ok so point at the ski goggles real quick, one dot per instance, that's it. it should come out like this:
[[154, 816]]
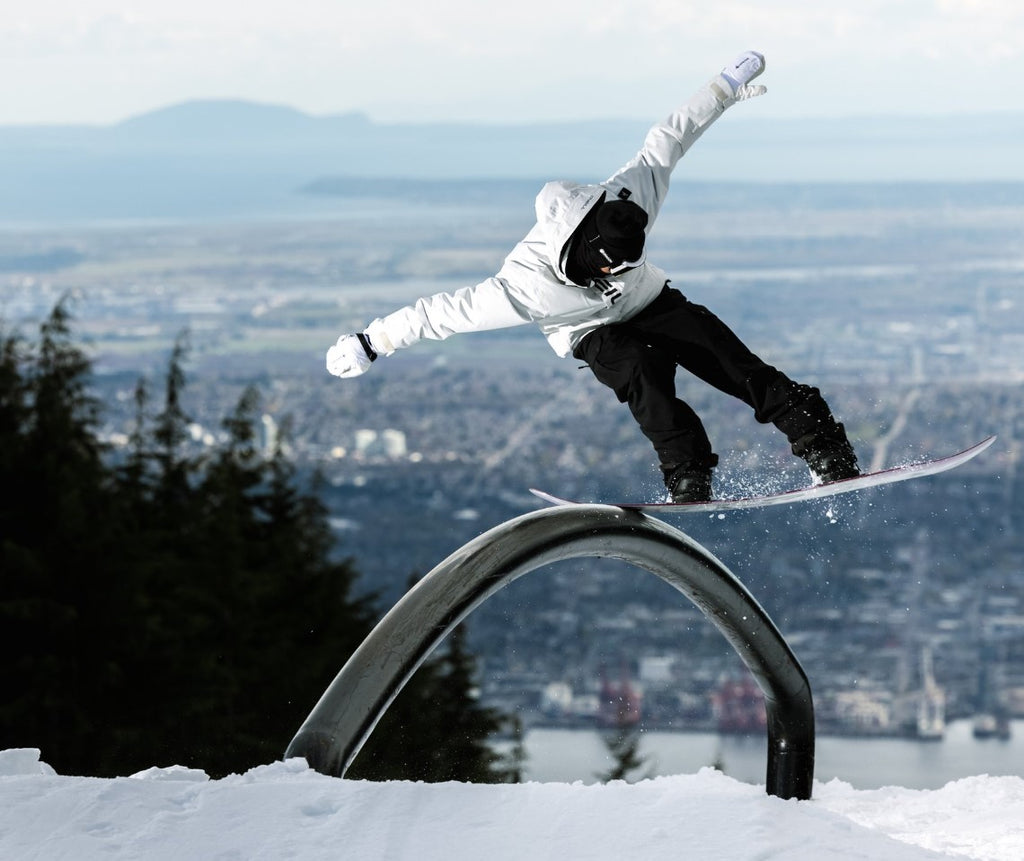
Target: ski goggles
[[626, 265]]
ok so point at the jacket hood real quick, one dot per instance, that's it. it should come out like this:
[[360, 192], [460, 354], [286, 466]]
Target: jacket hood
[[560, 207]]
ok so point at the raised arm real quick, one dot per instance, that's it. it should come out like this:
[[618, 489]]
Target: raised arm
[[647, 175]]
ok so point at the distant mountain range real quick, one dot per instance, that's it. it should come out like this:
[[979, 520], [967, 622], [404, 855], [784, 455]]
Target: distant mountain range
[[234, 158]]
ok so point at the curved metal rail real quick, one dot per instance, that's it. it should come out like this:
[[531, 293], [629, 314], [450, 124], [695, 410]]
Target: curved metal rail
[[346, 714]]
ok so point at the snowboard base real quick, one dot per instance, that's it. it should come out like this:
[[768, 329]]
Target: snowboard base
[[818, 491]]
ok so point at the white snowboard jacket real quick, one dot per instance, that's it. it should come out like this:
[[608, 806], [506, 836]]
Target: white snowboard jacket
[[531, 286]]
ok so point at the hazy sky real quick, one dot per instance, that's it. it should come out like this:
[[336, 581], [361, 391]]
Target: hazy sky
[[99, 61]]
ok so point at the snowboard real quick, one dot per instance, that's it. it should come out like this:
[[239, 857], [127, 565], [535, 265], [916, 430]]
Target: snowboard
[[817, 491]]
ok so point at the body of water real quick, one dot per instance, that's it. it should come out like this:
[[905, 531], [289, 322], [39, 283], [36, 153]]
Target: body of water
[[567, 756]]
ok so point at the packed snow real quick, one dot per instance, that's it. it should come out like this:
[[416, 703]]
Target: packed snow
[[287, 810]]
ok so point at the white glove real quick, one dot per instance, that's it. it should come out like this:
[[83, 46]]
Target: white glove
[[741, 71], [351, 356]]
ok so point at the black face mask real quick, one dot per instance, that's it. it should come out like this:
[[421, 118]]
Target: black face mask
[[584, 262], [590, 251]]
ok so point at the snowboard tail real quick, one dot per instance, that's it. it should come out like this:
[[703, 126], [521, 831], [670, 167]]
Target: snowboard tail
[[818, 491]]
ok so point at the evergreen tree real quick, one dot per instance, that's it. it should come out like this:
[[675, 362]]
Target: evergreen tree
[[467, 725], [263, 612], [307, 595], [20, 567], [514, 764], [623, 743], [60, 602], [436, 729], [14, 416], [168, 437]]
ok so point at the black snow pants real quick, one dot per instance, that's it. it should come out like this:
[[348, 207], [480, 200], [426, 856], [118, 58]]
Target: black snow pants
[[638, 359]]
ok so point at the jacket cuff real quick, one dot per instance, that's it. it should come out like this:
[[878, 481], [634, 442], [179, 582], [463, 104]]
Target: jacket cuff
[[381, 342], [723, 90]]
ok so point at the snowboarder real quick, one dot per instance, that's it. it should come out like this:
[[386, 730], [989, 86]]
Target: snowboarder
[[582, 276]]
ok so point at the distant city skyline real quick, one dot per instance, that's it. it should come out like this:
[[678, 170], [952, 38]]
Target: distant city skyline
[[100, 62]]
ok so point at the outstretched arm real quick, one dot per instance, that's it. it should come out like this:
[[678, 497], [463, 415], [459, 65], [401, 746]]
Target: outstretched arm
[[491, 304], [647, 175]]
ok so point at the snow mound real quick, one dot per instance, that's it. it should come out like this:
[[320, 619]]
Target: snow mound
[[287, 810]]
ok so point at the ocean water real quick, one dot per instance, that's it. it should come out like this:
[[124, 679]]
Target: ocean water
[[570, 755]]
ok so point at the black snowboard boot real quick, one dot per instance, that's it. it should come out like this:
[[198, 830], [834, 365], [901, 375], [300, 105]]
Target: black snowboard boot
[[688, 482], [828, 453]]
